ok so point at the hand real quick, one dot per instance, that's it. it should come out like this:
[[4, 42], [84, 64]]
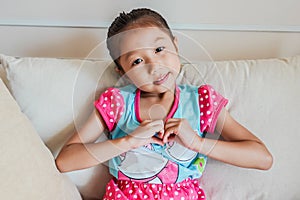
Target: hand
[[181, 131], [144, 134]]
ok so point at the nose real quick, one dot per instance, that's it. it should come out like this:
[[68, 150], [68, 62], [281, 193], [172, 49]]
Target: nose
[[153, 68], [153, 65]]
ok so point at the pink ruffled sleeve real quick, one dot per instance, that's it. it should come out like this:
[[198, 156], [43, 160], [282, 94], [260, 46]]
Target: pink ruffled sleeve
[[211, 104], [110, 105]]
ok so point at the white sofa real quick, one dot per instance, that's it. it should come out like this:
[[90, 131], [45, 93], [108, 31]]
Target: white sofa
[[42, 100]]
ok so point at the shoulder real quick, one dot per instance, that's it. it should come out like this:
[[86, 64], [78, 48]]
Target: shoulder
[[208, 94], [110, 97], [206, 89], [110, 105], [211, 103]]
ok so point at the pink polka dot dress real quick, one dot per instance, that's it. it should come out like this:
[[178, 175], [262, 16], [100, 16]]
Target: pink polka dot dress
[[187, 189], [154, 171]]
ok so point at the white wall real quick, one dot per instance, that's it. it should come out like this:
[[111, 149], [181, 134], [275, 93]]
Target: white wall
[[230, 29]]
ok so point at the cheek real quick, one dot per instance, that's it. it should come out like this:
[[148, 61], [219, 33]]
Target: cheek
[[173, 62], [137, 75]]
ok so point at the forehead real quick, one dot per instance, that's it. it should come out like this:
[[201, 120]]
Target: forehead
[[141, 38]]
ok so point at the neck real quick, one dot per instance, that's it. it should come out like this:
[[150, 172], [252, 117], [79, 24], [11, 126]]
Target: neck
[[159, 96], [155, 105]]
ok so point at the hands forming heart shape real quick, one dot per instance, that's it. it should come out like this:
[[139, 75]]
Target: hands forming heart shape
[[156, 131]]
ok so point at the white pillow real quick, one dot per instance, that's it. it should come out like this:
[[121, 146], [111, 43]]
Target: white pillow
[[28, 169]]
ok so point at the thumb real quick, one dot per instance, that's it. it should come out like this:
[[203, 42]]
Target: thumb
[[158, 125]]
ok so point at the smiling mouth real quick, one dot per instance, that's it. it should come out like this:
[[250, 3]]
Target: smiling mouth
[[162, 79]]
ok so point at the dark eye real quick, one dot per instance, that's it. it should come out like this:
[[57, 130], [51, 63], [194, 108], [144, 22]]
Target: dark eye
[[137, 61], [159, 49]]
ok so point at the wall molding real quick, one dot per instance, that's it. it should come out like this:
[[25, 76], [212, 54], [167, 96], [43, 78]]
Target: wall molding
[[175, 26]]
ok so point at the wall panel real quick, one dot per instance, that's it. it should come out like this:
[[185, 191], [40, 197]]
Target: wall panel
[[226, 29]]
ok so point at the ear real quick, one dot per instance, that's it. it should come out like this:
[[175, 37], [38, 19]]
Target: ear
[[175, 42], [119, 71]]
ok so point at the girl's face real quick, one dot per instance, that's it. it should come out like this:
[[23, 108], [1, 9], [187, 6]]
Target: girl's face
[[149, 57]]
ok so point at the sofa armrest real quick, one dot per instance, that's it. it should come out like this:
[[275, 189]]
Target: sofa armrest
[[27, 166]]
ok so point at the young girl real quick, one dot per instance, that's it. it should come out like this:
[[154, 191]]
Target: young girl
[[157, 147]]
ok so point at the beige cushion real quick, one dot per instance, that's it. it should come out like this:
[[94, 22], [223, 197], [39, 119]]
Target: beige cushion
[[27, 167]]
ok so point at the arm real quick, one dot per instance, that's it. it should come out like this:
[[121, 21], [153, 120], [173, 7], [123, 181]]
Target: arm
[[240, 148], [81, 151]]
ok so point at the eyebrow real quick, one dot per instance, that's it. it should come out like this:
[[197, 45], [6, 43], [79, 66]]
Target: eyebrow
[[127, 55], [159, 38]]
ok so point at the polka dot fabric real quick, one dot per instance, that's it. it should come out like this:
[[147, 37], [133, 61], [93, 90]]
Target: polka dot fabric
[[211, 104], [125, 190], [110, 105]]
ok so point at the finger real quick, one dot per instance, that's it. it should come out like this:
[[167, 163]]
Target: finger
[[157, 129], [170, 124], [170, 120], [152, 122], [173, 119], [172, 138], [157, 126], [147, 121], [157, 141], [157, 122], [168, 133], [172, 129], [160, 134]]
